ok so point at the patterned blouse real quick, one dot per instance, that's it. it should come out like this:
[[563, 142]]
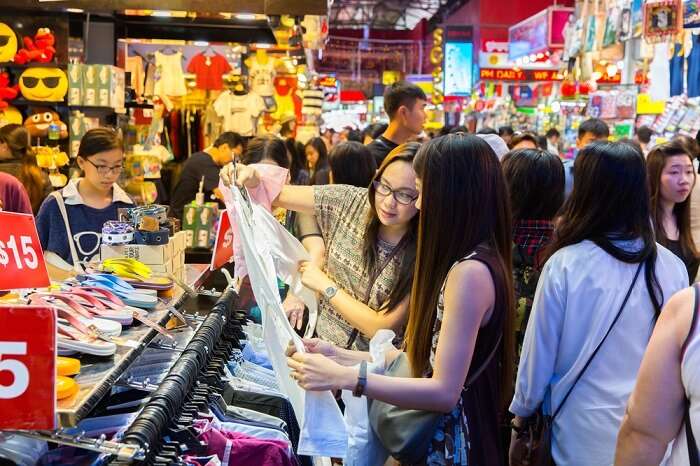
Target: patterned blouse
[[341, 212]]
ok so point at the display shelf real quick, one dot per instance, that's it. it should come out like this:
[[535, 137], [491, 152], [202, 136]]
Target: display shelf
[[98, 375], [17, 66], [21, 102], [138, 105]]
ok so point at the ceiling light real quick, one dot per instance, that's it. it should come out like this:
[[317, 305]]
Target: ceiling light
[[200, 43], [75, 10], [161, 14], [246, 16], [263, 46]]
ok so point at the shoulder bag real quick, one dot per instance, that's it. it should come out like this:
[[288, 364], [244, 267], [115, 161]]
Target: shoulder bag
[[532, 444], [406, 433], [53, 258]]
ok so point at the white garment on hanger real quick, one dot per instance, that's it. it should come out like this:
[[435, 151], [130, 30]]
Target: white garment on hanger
[[659, 83], [170, 77], [271, 251]]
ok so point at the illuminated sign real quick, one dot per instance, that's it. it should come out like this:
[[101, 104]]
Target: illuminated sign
[[458, 76], [519, 75]]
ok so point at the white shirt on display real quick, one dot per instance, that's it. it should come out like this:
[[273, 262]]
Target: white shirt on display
[[239, 112]]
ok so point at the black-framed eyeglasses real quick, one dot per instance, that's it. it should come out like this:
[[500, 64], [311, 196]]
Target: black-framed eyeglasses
[[402, 197], [104, 170]]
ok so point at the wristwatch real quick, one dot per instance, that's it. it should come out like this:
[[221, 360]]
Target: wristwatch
[[361, 380], [330, 292]]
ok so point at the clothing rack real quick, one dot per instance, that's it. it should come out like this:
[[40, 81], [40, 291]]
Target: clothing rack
[[163, 424]]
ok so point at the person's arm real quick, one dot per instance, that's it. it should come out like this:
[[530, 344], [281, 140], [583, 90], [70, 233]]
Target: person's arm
[[316, 248], [469, 296], [541, 343], [358, 314], [655, 410], [296, 198]]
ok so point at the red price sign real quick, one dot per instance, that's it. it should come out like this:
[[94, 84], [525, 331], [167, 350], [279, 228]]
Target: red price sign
[[223, 248], [27, 367], [21, 259]]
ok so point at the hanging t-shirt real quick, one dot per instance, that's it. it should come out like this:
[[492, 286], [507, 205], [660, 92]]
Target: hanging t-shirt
[[170, 80], [239, 111], [134, 66], [261, 76], [209, 71]]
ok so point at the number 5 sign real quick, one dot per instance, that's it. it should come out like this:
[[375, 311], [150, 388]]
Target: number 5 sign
[[27, 367], [21, 259]]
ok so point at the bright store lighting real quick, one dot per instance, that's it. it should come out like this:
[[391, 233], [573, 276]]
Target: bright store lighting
[[75, 10], [161, 14], [200, 43], [263, 46], [246, 16], [611, 70]]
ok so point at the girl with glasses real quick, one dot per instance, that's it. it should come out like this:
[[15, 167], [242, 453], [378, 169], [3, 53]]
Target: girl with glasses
[[87, 202], [370, 237]]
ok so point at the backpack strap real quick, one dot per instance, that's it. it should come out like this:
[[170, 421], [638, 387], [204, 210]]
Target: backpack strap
[[71, 242]]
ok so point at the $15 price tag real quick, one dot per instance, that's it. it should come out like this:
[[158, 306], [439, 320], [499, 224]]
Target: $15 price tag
[[27, 367], [21, 258]]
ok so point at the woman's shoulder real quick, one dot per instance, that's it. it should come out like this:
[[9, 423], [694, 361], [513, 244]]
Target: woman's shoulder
[[670, 263]]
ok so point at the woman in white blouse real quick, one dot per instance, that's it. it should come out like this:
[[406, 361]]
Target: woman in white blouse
[[604, 236]]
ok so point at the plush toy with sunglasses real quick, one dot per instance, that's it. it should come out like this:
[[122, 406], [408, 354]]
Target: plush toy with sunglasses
[[44, 84], [39, 49]]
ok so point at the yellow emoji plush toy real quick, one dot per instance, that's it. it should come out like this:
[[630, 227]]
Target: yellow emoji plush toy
[[8, 43], [10, 115], [44, 84]]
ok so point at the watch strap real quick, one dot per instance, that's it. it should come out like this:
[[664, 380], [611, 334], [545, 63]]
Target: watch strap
[[361, 380]]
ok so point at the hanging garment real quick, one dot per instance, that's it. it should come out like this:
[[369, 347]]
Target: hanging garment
[[312, 102], [659, 84], [170, 78], [209, 71], [676, 69], [261, 76], [134, 66], [271, 251], [694, 67], [239, 111]]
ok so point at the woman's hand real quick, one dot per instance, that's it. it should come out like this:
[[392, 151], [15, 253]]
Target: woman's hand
[[245, 175], [313, 277], [316, 372], [318, 346], [294, 308]]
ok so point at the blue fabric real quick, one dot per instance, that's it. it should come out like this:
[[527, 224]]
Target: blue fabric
[[568, 176], [52, 230], [694, 68], [676, 70], [261, 359]]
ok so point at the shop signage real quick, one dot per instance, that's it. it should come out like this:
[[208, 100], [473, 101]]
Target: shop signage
[[459, 34], [223, 247], [538, 33], [21, 259], [328, 81], [27, 367], [519, 75]]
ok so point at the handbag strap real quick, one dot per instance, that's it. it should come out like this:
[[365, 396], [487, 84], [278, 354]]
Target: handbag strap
[[483, 367], [693, 457], [71, 242], [590, 359], [370, 285]]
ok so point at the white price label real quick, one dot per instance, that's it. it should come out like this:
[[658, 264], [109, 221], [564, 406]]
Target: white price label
[[22, 252], [20, 373]]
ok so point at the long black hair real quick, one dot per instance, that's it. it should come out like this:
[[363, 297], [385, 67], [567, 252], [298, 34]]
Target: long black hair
[[404, 279], [609, 202]]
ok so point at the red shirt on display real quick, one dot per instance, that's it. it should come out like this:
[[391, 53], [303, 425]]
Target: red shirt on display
[[209, 71]]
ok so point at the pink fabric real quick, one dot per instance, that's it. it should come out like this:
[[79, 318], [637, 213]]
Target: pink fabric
[[272, 179], [246, 450]]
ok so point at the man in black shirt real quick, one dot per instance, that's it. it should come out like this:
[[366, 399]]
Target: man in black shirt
[[206, 165], [405, 104]]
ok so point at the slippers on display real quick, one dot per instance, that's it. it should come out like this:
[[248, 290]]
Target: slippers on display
[[127, 293], [94, 305], [71, 341], [68, 307], [66, 387], [137, 274], [67, 366]]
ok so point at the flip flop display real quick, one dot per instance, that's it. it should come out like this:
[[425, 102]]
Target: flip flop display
[[127, 293], [137, 274], [67, 366]]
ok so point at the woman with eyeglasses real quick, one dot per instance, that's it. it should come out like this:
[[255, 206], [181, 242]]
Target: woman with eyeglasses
[[370, 237], [70, 221]]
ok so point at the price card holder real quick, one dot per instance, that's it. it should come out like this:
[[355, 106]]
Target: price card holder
[[27, 367], [21, 258], [223, 248]]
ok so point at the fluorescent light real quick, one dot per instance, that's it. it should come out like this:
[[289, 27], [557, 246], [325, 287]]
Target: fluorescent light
[[246, 16], [200, 43], [161, 14], [75, 10], [263, 46]]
